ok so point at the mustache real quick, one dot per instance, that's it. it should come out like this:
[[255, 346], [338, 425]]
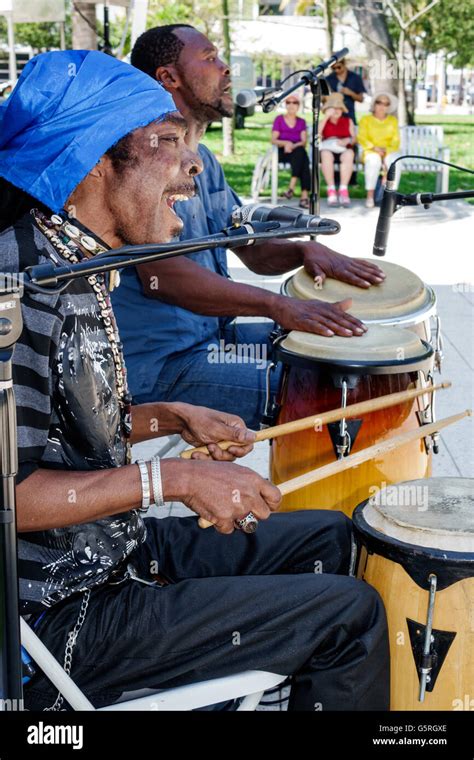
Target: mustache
[[185, 188]]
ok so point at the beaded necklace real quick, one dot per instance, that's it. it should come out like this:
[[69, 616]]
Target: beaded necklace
[[66, 239]]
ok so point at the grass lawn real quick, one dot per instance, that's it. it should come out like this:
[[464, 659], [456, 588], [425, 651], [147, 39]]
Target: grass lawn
[[253, 141]]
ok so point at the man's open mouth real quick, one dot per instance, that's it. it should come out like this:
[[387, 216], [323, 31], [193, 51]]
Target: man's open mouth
[[175, 197]]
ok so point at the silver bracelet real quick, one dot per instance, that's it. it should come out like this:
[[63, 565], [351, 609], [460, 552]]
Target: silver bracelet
[[156, 480], [145, 485]]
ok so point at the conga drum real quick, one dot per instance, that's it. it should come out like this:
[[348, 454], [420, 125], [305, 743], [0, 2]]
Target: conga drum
[[402, 300], [416, 547], [320, 374]]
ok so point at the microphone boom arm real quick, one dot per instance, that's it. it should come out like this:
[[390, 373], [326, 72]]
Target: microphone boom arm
[[49, 275]]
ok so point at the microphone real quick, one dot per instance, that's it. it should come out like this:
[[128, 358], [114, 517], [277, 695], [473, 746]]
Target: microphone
[[256, 212], [332, 60], [307, 78], [387, 209], [248, 98]]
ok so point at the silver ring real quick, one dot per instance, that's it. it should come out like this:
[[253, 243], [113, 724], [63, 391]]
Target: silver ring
[[248, 524]]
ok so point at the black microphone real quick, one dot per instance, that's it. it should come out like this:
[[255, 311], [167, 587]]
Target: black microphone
[[387, 209], [310, 76], [260, 212], [248, 98], [332, 60]]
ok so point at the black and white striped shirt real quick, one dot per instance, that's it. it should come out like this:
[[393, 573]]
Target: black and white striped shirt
[[68, 418]]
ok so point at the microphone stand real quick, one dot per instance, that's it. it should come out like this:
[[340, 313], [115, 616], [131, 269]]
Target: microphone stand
[[11, 325], [37, 279], [43, 275], [426, 199], [317, 83]]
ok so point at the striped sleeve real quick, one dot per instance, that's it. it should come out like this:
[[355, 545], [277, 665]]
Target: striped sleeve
[[34, 354]]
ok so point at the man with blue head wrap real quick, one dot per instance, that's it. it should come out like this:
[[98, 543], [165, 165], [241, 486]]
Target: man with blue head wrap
[[93, 151]]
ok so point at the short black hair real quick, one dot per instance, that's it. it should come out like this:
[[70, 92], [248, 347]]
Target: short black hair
[[157, 47]]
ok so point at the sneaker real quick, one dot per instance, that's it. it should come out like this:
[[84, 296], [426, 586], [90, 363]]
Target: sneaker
[[344, 199], [332, 198], [369, 203]]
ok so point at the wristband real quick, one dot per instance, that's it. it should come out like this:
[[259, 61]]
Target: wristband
[[156, 480], [145, 485]]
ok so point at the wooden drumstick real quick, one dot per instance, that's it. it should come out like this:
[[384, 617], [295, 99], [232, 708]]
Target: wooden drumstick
[[372, 452], [362, 407]]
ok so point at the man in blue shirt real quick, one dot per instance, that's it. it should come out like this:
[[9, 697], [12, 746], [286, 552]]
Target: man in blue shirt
[[176, 316], [349, 84]]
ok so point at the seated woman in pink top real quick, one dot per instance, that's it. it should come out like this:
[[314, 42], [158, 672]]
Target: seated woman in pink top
[[289, 134]]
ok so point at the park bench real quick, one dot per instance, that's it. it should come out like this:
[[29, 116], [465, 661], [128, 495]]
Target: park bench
[[424, 141]]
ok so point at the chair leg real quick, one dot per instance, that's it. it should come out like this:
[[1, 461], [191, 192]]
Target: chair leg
[[52, 669], [275, 176]]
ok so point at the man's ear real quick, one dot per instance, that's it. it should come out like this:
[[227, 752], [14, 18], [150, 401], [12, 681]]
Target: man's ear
[[100, 168], [168, 77]]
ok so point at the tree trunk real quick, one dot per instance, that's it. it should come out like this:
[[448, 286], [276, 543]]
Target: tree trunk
[[373, 28], [461, 88], [84, 36], [227, 124], [327, 10], [402, 101]]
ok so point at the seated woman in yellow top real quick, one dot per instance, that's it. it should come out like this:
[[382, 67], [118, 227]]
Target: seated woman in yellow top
[[379, 138]]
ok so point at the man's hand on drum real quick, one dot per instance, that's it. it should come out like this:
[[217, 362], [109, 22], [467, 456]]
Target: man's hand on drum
[[321, 262], [318, 317], [222, 493], [203, 426]]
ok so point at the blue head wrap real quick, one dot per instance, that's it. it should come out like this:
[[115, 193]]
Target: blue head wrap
[[67, 109]]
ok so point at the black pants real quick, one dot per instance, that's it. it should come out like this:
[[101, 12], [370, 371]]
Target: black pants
[[234, 603], [299, 162]]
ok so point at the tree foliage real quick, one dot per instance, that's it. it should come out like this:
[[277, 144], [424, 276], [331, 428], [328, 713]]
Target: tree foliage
[[450, 27]]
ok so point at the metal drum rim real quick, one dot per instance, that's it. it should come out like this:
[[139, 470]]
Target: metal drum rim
[[413, 364], [450, 561]]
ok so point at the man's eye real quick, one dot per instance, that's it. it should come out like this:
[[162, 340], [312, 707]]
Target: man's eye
[[171, 139]]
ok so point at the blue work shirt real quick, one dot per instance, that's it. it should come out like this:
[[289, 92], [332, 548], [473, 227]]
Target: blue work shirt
[[152, 330], [354, 82]]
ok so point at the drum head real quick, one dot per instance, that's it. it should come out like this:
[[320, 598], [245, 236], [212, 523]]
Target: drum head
[[434, 512], [393, 347], [402, 294], [427, 526]]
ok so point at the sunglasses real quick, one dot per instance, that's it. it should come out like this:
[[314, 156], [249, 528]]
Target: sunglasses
[[382, 103], [292, 102], [338, 68]]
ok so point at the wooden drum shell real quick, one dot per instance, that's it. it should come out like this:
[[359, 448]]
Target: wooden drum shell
[[454, 612], [307, 391]]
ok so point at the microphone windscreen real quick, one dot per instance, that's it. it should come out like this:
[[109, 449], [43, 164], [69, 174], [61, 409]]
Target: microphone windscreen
[[246, 98]]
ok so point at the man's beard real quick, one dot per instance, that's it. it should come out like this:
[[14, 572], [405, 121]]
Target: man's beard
[[131, 239], [206, 112]]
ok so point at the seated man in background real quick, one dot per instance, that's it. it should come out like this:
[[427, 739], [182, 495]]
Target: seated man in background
[[153, 603], [189, 304]]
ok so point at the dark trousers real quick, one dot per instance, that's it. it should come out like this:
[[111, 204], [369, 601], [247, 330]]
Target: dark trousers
[[279, 600], [299, 162]]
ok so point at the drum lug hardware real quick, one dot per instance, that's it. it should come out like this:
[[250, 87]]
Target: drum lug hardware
[[438, 355], [276, 333], [427, 415], [342, 444], [271, 410], [429, 645]]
